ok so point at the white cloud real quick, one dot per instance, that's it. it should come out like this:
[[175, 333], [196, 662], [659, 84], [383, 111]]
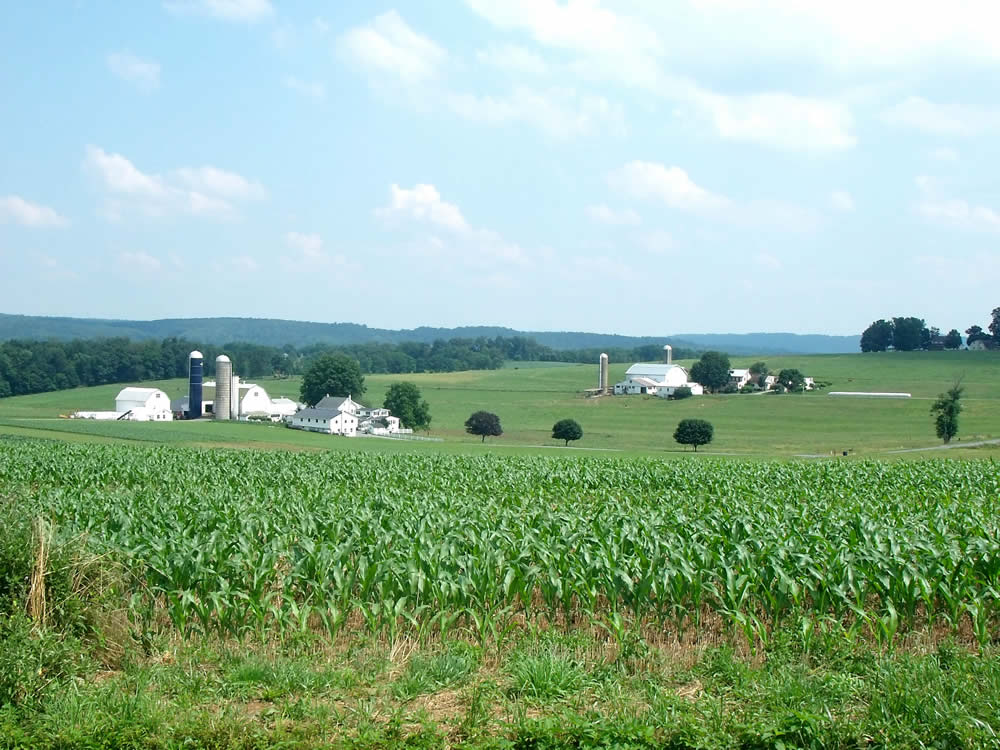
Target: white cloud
[[512, 58], [945, 154], [311, 244], [768, 261], [559, 112], [842, 200], [144, 74], [941, 119], [672, 185], [140, 261], [476, 247], [423, 203], [777, 120], [658, 242], [17, 209], [198, 191], [606, 215], [389, 45], [220, 182], [311, 89], [939, 207], [227, 10]]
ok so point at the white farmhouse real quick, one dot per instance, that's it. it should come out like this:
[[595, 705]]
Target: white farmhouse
[[333, 415], [143, 405], [739, 377], [655, 380]]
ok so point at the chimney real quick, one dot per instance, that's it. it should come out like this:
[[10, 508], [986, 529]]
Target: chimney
[[668, 352]]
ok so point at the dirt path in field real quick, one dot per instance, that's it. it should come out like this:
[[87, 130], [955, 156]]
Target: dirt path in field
[[946, 446]]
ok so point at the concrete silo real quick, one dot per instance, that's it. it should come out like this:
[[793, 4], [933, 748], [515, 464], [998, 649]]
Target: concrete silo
[[223, 387], [668, 354], [196, 367], [604, 374]]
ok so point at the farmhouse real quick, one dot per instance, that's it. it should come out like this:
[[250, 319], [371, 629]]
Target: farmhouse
[[739, 377], [344, 416]]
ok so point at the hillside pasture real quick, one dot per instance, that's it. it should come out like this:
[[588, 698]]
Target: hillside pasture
[[531, 397]]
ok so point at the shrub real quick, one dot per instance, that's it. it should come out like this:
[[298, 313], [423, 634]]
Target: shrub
[[682, 392]]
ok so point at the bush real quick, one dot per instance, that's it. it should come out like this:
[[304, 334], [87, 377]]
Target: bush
[[682, 392]]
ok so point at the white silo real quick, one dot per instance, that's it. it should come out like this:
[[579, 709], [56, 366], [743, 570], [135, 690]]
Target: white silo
[[604, 373], [234, 399], [668, 354], [223, 387]]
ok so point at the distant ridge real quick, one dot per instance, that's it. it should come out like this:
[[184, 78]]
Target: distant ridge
[[273, 332]]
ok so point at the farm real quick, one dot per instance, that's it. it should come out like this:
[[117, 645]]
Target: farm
[[418, 600]]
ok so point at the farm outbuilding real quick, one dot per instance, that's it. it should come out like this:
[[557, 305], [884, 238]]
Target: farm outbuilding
[[655, 380], [143, 405]]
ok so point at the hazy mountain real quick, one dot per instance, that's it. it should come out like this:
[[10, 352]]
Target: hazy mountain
[[271, 332]]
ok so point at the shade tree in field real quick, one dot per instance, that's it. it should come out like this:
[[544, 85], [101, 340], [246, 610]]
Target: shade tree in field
[[791, 379], [403, 400], [567, 429], [945, 411], [877, 337], [952, 339], [711, 370], [485, 424], [694, 432], [332, 375]]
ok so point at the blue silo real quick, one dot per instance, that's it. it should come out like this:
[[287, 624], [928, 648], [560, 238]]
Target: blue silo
[[196, 364]]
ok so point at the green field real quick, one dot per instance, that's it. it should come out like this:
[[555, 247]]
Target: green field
[[530, 398]]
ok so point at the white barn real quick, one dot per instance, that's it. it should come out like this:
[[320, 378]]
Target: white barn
[[143, 405], [656, 380]]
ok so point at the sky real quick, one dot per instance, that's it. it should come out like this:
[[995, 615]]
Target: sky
[[642, 167]]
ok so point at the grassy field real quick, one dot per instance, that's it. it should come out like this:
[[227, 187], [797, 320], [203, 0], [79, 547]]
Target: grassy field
[[530, 398]]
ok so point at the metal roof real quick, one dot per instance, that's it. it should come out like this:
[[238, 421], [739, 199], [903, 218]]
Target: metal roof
[[317, 413], [648, 368], [137, 394]]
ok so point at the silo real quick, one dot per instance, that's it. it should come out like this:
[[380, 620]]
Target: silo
[[234, 401], [223, 387], [604, 373], [196, 367], [668, 354]]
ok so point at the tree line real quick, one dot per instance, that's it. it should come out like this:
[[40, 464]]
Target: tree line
[[33, 366], [907, 334]]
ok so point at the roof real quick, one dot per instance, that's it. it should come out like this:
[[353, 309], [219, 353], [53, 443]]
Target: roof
[[317, 413], [739, 373], [332, 402], [646, 382], [136, 394], [650, 368], [283, 401]]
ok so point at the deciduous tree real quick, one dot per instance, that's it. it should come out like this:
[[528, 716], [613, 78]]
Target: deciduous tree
[[404, 401], [567, 429], [946, 410], [694, 432], [485, 424], [332, 375], [952, 339], [877, 337], [712, 370], [792, 380]]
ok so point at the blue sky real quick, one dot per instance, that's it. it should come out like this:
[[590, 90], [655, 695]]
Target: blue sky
[[641, 167]]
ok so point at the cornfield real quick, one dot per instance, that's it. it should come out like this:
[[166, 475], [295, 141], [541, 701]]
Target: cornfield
[[235, 542]]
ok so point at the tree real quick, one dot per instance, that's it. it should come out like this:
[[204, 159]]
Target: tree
[[403, 400], [877, 337], [791, 379], [907, 334], [567, 429], [485, 424], [946, 410], [975, 333], [759, 373], [952, 339], [995, 324], [332, 375], [712, 370], [694, 432]]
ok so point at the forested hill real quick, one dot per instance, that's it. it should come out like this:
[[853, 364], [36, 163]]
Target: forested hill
[[279, 333]]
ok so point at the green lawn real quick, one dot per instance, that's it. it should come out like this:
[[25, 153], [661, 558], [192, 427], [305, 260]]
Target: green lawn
[[531, 397]]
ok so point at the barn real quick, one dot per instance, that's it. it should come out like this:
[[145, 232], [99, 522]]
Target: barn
[[655, 379], [143, 405]]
